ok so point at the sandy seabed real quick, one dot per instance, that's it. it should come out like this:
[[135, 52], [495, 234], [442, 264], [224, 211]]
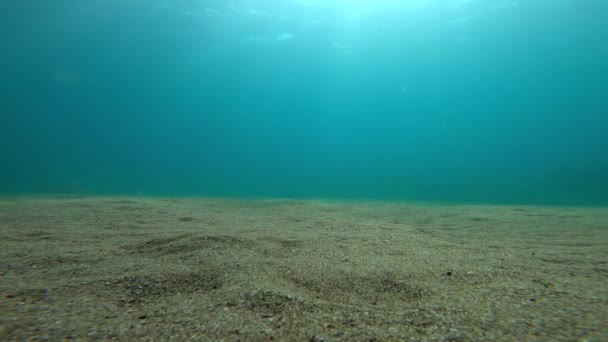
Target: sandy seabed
[[285, 270]]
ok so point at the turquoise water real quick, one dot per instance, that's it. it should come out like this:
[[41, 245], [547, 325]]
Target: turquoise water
[[493, 101]]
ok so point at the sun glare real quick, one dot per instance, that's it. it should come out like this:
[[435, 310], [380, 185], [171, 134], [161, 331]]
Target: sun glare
[[358, 3]]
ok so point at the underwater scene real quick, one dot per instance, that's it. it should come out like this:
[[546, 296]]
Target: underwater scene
[[304, 170]]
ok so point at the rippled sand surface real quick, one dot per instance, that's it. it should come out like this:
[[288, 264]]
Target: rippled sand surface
[[261, 270]]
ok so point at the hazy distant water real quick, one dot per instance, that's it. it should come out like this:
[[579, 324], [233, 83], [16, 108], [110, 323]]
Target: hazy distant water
[[459, 100]]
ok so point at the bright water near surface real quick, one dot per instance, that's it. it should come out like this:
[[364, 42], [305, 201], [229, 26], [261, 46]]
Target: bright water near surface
[[491, 101]]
